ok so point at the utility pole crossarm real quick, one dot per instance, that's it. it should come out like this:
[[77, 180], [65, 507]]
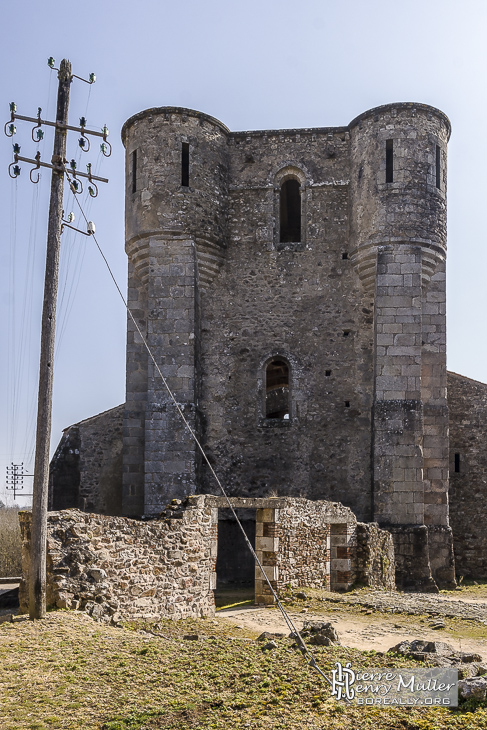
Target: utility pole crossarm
[[39, 122], [57, 168]]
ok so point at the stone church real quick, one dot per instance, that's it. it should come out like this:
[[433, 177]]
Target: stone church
[[291, 286]]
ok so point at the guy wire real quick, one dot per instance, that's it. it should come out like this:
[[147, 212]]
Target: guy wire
[[309, 658]]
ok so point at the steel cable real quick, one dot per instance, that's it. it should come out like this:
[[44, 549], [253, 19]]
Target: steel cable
[[311, 661]]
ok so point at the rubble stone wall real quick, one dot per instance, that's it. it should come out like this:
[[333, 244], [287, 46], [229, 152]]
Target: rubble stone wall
[[413, 567], [116, 567], [375, 565], [467, 400], [86, 469], [120, 568], [316, 544]]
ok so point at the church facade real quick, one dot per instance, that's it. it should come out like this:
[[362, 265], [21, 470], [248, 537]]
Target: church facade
[[290, 285]]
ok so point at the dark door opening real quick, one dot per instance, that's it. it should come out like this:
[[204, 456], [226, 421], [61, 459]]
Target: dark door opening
[[235, 565]]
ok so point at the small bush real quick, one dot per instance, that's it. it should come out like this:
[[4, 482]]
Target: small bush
[[10, 560]]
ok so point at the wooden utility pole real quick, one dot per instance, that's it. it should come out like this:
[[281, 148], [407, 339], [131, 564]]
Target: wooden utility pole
[[37, 574], [37, 577]]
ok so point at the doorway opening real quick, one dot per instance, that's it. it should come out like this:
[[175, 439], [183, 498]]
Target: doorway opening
[[235, 565]]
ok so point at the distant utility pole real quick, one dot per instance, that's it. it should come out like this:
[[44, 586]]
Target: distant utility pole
[[15, 479], [37, 574]]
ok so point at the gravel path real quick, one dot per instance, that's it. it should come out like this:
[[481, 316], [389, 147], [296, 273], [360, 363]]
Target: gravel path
[[416, 603]]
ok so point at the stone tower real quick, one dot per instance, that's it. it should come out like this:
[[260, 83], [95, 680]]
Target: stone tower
[[174, 238], [398, 233], [291, 285]]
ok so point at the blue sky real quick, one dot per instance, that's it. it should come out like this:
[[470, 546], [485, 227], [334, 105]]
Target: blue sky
[[253, 65]]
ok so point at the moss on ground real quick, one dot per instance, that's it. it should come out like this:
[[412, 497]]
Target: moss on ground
[[69, 672]]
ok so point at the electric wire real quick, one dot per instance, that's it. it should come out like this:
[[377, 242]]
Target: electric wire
[[69, 275], [23, 319], [21, 388], [11, 344], [309, 658], [28, 449], [70, 272], [26, 327]]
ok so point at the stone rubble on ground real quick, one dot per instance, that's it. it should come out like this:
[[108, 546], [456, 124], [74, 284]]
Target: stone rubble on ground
[[266, 635], [415, 603], [440, 654], [321, 633], [473, 688]]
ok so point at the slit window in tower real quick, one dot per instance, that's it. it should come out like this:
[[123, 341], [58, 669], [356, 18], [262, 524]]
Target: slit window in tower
[[277, 389], [457, 463], [185, 165], [134, 171], [438, 166], [389, 161], [290, 212]]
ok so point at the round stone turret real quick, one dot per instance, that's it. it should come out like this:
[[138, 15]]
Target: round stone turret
[[176, 183], [398, 183]]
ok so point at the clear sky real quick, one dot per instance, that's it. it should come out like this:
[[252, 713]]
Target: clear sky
[[258, 64]]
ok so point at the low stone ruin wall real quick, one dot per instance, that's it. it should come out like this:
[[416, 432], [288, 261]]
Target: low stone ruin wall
[[120, 568], [316, 544], [299, 542], [375, 564], [320, 545], [116, 567]]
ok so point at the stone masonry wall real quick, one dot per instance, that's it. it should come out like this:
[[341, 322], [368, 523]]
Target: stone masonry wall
[[316, 545], [119, 568], [115, 567], [64, 471], [398, 228], [413, 566], [299, 542], [86, 469], [175, 235], [254, 298], [375, 563], [467, 400], [302, 302]]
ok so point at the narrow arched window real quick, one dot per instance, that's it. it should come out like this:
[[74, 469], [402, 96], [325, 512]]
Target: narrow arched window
[[290, 212], [277, 389]]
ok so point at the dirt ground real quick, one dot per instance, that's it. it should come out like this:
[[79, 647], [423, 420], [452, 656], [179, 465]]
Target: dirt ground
[[357, 626], [365, 628]]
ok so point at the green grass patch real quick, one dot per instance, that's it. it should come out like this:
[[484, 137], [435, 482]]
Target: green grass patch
[[68, 672]]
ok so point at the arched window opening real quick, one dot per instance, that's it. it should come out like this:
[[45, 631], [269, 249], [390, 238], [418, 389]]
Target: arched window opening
[[277, 390], [290, 212]]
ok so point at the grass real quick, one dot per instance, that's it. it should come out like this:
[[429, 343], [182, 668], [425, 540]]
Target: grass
[[68, 672], [469, 588], [10, 543]]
